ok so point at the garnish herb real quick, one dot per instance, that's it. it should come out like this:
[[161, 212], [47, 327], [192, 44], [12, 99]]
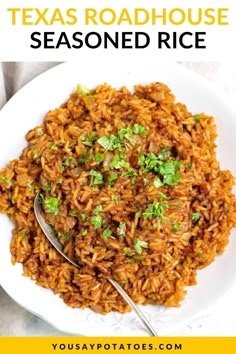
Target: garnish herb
[[73, 213], [89, 142], [59, 180], [97, 209], [96, 177], [126, 252], [98, 157], [82, 90], [145, 181], [54, 147], [83, 233], [157, 182], [155, 210], [189, 166], [83, 159], [163, 196], [196, 217], [111, 179], [176, 226], [22, 235], [6, 181], [137, 214], [114, 198], [118, 161], [83, 216], [31, 187], [64, 235], [139, 245], [121, 229], [97, 221], [52, 205], [196, 117], [107, 233], [140, 130]]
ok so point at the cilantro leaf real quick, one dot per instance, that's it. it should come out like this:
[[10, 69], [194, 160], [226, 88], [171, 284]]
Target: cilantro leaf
[[140, 130], [111, 179], [96, 177], [176, 226], [6, 181], [107, 233], [157, 182], [97, 221], [196, 217], [154, 210], [51, 205], [121, 229], [82, 90], [139, 245]]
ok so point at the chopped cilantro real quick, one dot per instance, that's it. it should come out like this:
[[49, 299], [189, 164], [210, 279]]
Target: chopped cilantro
[[31, 187], [98, 157], [36, 155], [73, 213], [137, 214], [47, 187], [199, 254], [164, 154], [83, 233], [125, 133], [155, 210], [59, 180], [97, 221], [176, 226], [111, 178], [22, 235], [157, 182], [97, 209], [196, 117], [121, 229], [163, 196], [64, 235], [145, 181], [6, 181], [139, 245], [89, 141], [114, 198], [54, 147], [52, 205], [83, 216], [107, 233], [96, 177], [189, 166], [140, 130], [196, 217], [109, 144], [118, 162], [129, 260], [83, 159], [67, 161], [82, 90], [126, 252], [104, 141]]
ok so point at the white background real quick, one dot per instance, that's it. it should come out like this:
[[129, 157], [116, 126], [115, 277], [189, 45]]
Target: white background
[[15, 40]]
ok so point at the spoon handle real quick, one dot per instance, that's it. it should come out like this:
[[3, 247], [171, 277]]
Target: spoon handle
[[129, 301], [49, 233]]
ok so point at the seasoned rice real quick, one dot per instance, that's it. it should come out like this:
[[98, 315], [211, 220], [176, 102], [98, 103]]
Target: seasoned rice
[[132, 187]]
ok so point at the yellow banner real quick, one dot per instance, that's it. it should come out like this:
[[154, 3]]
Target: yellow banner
[[88, 345]]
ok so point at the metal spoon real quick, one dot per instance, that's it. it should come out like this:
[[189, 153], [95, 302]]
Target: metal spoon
[[49, 233]]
